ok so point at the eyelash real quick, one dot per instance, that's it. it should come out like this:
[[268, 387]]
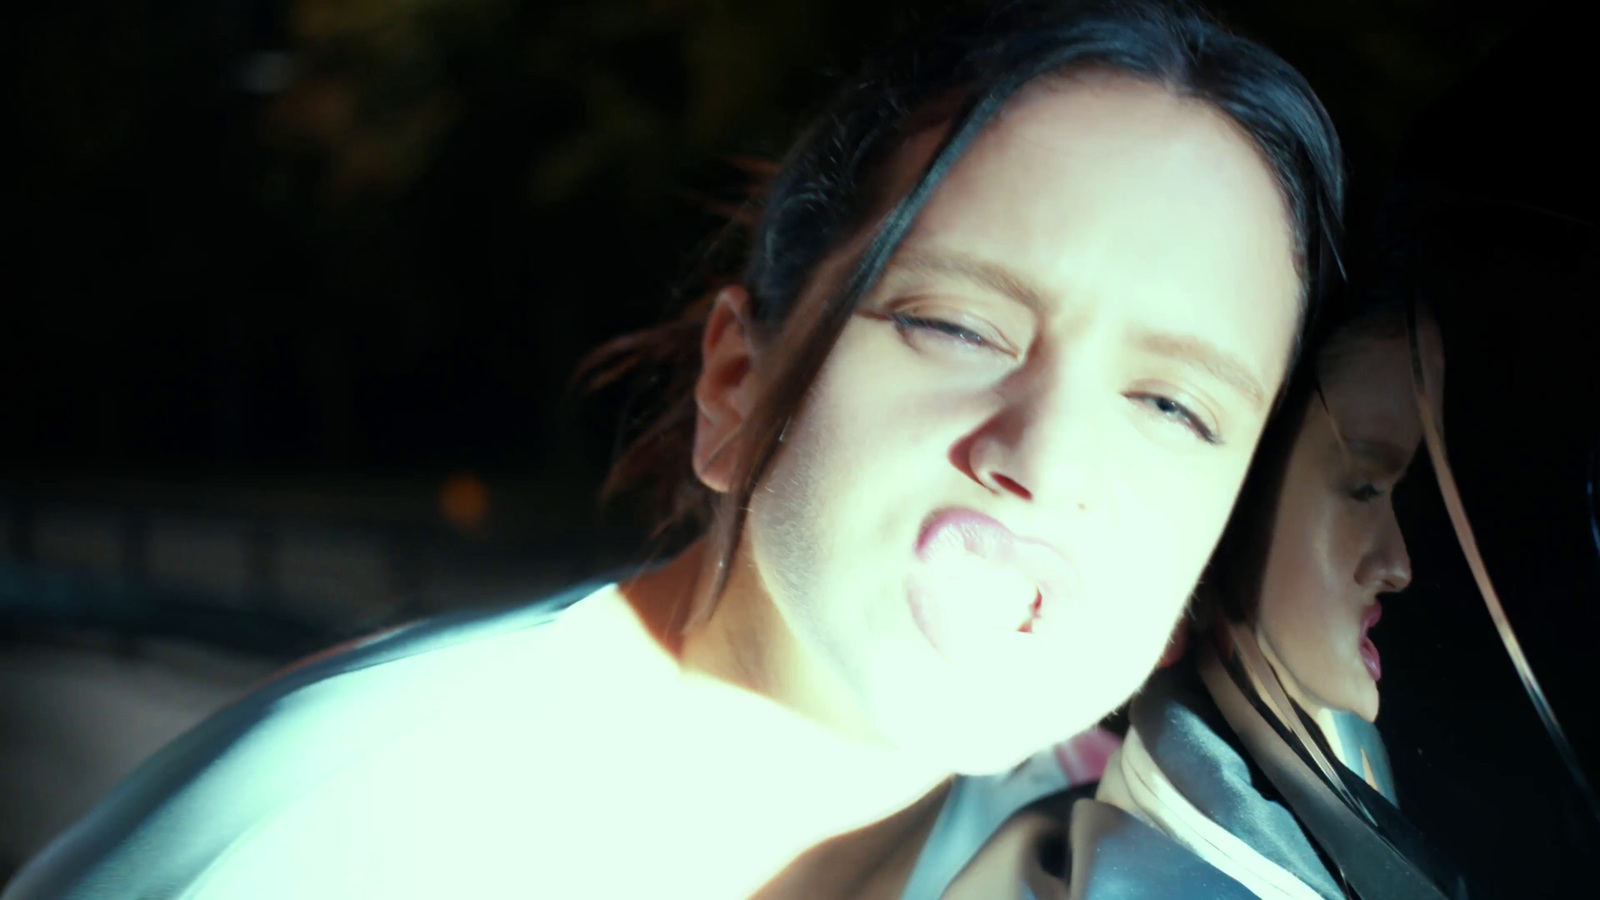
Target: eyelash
[[1365, 493], [1185, 416], [1173, 409], [906, 321]]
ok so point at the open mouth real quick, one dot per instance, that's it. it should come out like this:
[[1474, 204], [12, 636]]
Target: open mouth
[[1033, 614], [1369, 651], [976, 581]]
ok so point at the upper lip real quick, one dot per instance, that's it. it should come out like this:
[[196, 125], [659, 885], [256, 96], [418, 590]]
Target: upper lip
[[1051, 570], [1370, 617]]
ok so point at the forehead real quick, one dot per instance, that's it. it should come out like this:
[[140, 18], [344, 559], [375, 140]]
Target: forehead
[[1121, 198], [1371, 393]]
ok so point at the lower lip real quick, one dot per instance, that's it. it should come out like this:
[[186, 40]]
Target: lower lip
[[1370, 658], [949, 630]]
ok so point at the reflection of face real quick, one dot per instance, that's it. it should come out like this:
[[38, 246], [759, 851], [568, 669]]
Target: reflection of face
[[1336, 544], [1080, 339]]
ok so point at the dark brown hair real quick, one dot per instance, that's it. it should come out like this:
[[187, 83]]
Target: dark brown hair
[[829, 183]]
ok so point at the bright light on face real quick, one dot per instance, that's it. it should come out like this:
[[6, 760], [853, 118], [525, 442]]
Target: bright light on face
[[1019, 456]]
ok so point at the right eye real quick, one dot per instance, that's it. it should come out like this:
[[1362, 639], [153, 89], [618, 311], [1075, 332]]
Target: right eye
[[1365, 493], [907, 323]]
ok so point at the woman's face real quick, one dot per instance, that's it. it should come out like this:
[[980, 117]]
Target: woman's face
[[1336, 545], [1014, 464]]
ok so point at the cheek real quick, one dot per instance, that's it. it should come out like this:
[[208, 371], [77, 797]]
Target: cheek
[[1315, 552], [830, 502], [878, 424], [1183, 510], [857, 431], [1298, 564], [1304, 605], [1149, 550]]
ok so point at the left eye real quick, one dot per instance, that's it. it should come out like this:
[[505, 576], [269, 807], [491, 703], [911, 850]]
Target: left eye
[[1177, 412]]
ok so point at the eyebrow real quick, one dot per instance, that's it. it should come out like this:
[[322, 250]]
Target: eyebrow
[[1390, 456], [1207, 358], [1186, 349], [984, 274]]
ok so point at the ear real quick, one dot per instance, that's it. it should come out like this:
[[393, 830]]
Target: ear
[[724, 394]]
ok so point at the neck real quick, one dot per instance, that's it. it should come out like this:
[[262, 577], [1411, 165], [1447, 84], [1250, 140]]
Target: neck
[[747, 642], [744, 659], [1313, 708], [1322, 716]]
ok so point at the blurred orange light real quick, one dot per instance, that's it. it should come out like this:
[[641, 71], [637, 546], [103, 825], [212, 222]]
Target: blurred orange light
[[464, 501]]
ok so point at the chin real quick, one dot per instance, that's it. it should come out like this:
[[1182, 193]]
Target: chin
[[975, 744], [1369, 711], [1365, 701]]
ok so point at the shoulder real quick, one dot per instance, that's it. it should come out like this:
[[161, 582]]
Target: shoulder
[[364, 716]]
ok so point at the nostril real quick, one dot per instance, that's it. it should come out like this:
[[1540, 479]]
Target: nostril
[[1012, 486]]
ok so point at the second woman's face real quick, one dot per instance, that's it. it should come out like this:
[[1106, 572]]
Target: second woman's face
[[1336, 545], [1018, 457]]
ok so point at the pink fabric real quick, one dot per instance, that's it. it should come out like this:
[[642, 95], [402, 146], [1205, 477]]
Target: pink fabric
[[1083, 758]]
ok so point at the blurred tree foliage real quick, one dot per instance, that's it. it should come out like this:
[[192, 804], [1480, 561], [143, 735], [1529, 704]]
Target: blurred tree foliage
[[664, 83], [375, 234], [632, 90]]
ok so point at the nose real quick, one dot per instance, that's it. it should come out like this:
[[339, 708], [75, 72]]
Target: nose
[[1386, 568], [1034, 447]]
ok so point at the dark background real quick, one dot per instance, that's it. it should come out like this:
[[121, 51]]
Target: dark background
[[298, 275], [328, 239]]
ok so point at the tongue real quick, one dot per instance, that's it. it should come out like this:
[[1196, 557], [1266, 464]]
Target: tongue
[[1371, 659], [968, 605]]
